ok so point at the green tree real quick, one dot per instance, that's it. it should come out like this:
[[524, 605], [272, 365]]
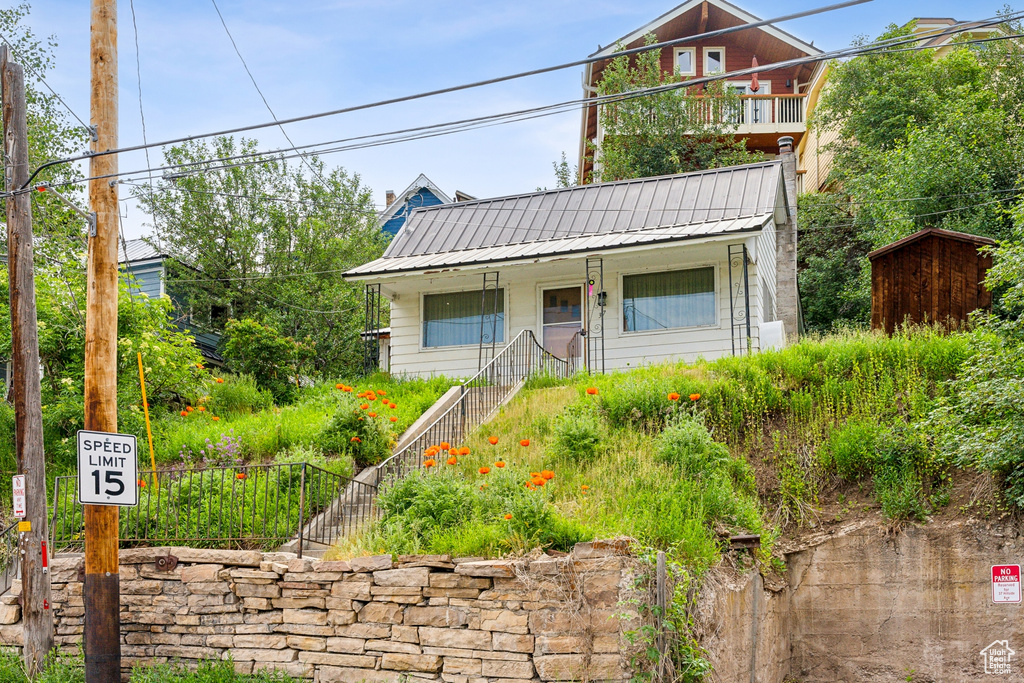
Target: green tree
[[672, 131], [269, 357], [265, 241]]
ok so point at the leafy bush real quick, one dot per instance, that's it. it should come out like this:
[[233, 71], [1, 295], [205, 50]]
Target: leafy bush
[[901, 469], [353, 432], [851, 449], [238, 395], [639, 403], [260, 351], [687, 444], [577, 433]]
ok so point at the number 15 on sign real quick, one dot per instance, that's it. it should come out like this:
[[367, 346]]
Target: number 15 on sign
[[107, 469]]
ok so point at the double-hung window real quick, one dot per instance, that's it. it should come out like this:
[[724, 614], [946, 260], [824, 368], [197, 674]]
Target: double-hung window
[[459, 318], [662, 301]]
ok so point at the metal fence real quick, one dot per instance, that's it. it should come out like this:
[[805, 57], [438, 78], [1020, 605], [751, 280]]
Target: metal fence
[[523, 358], [248, 506], [10, 565]]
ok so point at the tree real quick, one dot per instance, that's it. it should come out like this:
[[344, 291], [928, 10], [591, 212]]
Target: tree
[[264, 241], [673, 131], [918, 142]]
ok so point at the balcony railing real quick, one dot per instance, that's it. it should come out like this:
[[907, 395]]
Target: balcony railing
[[755, 113]]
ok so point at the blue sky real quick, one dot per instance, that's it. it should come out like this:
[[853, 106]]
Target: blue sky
[[326, 54]]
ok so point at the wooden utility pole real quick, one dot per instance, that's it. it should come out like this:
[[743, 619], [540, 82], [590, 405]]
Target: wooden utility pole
[[28, 413], [102, 588]]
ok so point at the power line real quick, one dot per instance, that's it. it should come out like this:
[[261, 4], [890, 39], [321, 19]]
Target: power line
[[447, 128], [467, 86]]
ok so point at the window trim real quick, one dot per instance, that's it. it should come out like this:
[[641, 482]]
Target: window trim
[[621, 327], [693, 60], [457, 290], [705, 63]]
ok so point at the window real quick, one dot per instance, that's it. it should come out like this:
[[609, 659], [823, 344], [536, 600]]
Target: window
[[661, 301], [686, 61], [453, 319], [714, 60]]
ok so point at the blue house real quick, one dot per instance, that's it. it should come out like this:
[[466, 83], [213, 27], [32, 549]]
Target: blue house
[[147, 267], [422, 193]]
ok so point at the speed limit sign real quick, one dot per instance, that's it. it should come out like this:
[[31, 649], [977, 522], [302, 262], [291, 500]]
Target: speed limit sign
[[107, 469]]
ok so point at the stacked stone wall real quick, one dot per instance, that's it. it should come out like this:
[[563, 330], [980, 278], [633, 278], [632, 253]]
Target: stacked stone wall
[[368, 619]]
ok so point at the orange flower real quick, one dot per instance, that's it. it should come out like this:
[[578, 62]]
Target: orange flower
[[199, 365], [381, 392], [360, 419], [348, 389], [216, 419], [189, 408], [371, 397], [364, 406], [508, 516], [142, 483], [493, 440], [453, 460], [372, 414], [240, 475], [339, 387], [453, 451], [538, 481], [393, 418], [547, 474], [524, 443], [429, 463], [673, 396], [184, 413], [499, 464], [445, 445], [356, 439], [220, 380], [202, 408], [585, 487], [392, 406], [484, 470], [591, 391], [694, 397], [464, 450], [483, 486]]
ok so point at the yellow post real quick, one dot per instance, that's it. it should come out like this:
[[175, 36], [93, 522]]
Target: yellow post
[[145, 410]]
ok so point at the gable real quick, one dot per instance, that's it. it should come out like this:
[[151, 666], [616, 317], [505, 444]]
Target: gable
[[422, 198]]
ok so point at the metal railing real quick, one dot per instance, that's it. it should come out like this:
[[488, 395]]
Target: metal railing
[[775, 111], [10, 564], [248, 506], [523, 358]]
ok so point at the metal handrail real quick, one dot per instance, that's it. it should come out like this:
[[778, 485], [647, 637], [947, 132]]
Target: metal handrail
[[10, 564], [244, 506], [479, 396]]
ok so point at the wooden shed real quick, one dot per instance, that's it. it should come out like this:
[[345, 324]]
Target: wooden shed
[[931, 276]]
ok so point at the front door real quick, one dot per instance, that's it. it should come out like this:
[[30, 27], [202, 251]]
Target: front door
[[563, 318]]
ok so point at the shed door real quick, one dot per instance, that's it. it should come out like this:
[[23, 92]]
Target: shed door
[[563, 318]]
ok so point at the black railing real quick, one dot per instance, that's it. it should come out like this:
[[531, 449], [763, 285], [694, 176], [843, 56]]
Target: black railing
[[480, 396], [10, 564], [248, 506]]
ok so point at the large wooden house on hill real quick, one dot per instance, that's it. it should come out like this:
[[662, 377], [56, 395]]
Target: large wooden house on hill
[[776, 108]]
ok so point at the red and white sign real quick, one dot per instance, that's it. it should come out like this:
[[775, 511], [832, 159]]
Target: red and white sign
[[18, 482], [1006, 583]]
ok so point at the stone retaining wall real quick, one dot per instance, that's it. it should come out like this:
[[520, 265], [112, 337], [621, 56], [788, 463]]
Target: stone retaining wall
[[369, 619]]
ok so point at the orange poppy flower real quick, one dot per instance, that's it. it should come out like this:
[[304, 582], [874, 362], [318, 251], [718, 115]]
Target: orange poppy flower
[[483, 486], [538, 481], [202, 408], [356, 439], [189, 408], [371, 397], [694, 397], [381, 392], [499, 464], [392, 406], [240, 475], [453, 451], [585, 487], [673, 396], [493, 440], [348, 389], [184, 413], [393, 418], [547, 474], [484, 470], [524, 443], [142, 483], [453, 461], [364, 406], [508, 516], [360, 419], [372, 414], [216, 419], [592, 391], [199, 365], [220, 380], [429, 463], [339, 387], [464, 450], [445, 445]]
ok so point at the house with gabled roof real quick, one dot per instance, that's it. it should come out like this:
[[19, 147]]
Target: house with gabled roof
[[777, 105], [421, 193], [608, 275]]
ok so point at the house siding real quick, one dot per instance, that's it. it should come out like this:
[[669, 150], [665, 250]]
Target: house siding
[[523, 283], [148, 278], [422, 198]]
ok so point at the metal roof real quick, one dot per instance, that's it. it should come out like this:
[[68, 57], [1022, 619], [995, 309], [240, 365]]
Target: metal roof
[[133, 251], [585, 218]]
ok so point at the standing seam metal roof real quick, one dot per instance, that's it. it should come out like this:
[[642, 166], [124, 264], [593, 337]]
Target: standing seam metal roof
[[611, 215]]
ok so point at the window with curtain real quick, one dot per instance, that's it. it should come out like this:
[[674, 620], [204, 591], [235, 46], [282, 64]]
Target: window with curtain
[[662, 301], [453, 318]]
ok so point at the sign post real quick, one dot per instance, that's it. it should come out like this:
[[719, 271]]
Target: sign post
[[1006, 583]]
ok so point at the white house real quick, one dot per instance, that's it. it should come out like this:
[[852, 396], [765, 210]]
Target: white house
[[620, 274]]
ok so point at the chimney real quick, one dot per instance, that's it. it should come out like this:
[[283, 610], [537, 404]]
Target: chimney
[[389, 197], [787, 297]]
